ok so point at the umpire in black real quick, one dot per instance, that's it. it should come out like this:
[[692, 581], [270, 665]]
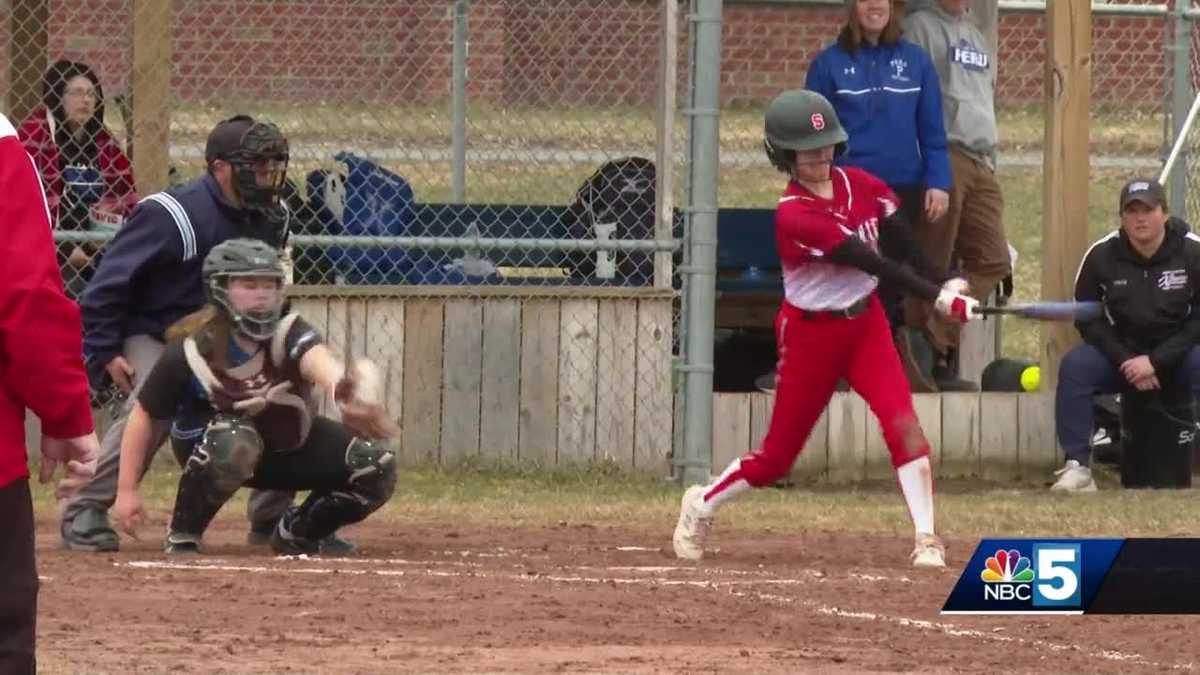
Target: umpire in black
[[1147, 277], [150, 278]]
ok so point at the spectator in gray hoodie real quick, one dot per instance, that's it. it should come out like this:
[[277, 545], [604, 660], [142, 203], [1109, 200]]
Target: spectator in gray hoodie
[[973, 229]]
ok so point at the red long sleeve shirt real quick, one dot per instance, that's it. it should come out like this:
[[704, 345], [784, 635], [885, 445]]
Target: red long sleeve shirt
[[41, 344], [808, 228]]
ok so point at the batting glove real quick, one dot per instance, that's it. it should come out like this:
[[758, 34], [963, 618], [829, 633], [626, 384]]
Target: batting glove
[[957, 285], [956, 306]]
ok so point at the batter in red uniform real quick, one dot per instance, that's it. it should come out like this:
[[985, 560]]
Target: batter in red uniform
[[830, 228]]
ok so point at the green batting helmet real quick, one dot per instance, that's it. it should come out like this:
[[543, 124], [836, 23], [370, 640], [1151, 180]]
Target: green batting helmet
[[800, 120]]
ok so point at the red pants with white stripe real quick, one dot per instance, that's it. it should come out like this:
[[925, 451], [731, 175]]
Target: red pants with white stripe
[[814, 353]]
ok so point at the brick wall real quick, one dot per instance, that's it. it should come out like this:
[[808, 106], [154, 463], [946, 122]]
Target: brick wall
[[536, 53]]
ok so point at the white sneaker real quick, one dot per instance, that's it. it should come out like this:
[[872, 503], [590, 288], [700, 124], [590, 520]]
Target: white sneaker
[[929, 552], [693, 525], [1074, 477]]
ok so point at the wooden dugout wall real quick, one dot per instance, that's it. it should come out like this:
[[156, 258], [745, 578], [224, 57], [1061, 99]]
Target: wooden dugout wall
[[515, 374], [530, 375], [996, 436]]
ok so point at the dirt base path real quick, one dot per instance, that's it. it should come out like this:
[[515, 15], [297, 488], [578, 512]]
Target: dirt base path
[[556, 599]]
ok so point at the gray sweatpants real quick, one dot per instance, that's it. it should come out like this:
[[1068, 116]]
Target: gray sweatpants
[[142, 351]]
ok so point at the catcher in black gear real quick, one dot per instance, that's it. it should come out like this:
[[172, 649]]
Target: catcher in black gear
[[236, 381]]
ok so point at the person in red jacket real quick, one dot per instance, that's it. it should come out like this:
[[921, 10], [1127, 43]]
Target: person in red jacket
[[87, 177], [41, 368]]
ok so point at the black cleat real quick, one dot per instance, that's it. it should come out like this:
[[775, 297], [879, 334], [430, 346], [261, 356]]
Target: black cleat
[[260, 535], [283, 542], [179, 543]]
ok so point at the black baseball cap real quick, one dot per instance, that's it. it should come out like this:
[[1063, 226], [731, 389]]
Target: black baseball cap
[[226, 138], [1144, 190]]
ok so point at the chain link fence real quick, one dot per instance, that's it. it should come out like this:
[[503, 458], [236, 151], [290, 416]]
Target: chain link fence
[[1134, 94], [477, 197]]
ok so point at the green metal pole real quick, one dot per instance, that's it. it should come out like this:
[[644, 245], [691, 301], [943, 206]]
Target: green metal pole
[[1181, 101], [458, 141], [694, 465]]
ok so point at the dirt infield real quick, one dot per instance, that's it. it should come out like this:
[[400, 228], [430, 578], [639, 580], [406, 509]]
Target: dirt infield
[[555, 599]]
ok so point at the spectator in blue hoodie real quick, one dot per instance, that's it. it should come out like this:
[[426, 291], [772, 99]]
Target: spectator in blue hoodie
[[886, 93]]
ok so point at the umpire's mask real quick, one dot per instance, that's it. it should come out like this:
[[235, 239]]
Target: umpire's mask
[[258, 153]]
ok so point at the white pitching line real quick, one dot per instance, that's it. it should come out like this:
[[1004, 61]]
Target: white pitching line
[[159, 565], [653, 582], [365, 561], [637, 568], [729, 586], [875, 577]]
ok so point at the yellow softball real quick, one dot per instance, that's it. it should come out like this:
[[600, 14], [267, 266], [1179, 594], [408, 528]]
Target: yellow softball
[[1031, 378]]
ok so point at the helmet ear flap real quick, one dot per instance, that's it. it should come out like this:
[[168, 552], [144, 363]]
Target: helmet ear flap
[[781, 159]]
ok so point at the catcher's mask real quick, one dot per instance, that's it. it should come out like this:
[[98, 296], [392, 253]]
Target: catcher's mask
[[258, 153], [241, 259]]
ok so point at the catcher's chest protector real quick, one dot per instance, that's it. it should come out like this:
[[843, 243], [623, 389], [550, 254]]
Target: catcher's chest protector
[[285, 420]]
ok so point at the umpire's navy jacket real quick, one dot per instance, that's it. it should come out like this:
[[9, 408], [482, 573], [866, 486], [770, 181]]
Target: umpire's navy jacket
[[1152, 306], [150, 275]]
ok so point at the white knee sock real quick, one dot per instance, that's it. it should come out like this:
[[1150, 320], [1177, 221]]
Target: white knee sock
[[727, 486], [916, 484]]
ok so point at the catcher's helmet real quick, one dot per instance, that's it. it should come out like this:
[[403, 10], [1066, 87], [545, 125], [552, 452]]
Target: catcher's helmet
[[244, 258], [251, 147], [800, 120]]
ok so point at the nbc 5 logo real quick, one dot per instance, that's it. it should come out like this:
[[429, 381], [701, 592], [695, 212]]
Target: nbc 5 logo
[[1050, 579], [1058, 575]]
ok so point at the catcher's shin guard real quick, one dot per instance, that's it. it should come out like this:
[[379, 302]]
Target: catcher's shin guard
[[223, 461], [372, 482]]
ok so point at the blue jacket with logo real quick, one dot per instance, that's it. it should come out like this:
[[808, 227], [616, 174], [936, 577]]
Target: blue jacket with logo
[[150, 275], [888, 99]]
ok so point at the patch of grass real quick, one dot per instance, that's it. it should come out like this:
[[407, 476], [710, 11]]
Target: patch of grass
[[603, 495], [488, 125], [1125, 130], [158, 490]]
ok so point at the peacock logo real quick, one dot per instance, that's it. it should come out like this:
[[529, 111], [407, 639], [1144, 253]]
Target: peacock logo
[[1007, 567]]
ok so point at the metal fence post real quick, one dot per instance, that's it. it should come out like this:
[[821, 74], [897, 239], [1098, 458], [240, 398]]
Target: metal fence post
[[704, 142], [459, 112], [1181, 101]]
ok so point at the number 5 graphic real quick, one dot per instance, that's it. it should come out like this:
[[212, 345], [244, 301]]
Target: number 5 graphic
[[1058, 569]]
